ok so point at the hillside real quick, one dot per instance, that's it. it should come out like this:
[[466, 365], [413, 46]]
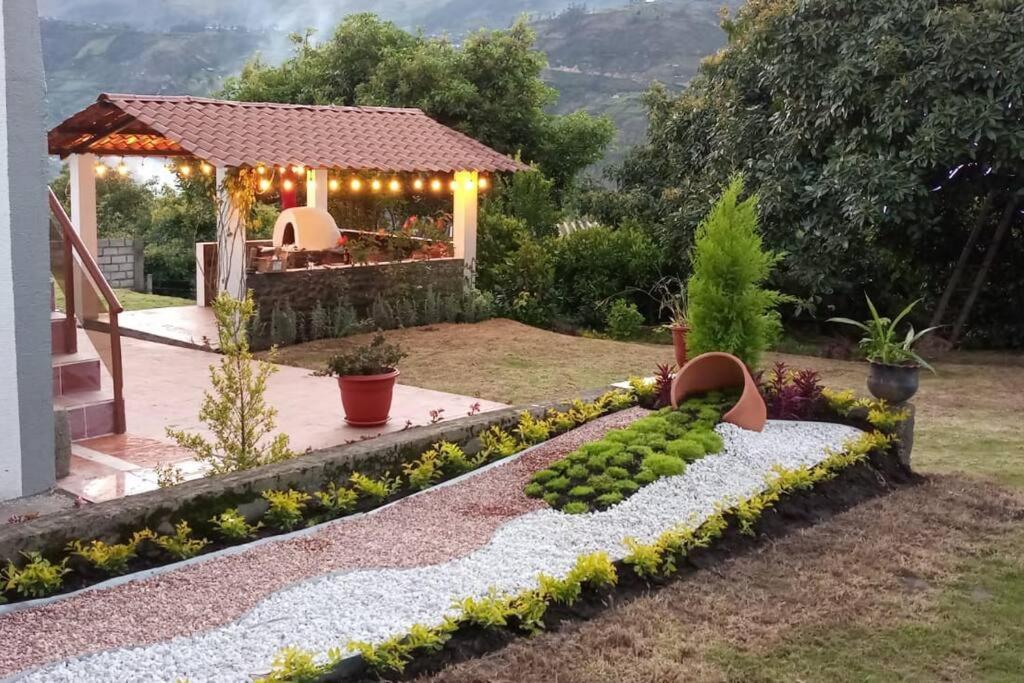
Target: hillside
[[600, 61], [604, 61]]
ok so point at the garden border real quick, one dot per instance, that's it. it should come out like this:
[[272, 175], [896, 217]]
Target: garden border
[[198, 499]]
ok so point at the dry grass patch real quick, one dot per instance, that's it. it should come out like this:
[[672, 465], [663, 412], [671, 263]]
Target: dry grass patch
[[883, 564]]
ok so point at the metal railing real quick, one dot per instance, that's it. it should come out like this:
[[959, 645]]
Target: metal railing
[[76, 266]]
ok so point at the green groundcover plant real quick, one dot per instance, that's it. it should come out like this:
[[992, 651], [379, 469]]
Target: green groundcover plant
[[605, 472]]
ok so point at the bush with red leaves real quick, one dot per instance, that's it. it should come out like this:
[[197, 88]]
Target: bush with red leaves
[[791, 394]]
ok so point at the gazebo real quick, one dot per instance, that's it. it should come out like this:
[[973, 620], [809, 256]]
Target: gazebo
[[330, 148]]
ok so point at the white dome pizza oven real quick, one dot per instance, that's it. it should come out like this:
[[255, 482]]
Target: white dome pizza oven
[[305, 228]]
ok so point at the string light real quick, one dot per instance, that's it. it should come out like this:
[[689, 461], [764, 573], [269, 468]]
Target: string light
[[469, 185], [288, 185], [375, 185], [298, 170], [205, 168], [356, 184], [417, 184], [264, 184], [122, 169], [482, 183], [261, 170], [453, 186], [101, 170], [333, 185], [394, 185], [435, 185], [185, 170]]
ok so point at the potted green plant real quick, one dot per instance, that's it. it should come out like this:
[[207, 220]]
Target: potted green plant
[[894, 363], [674, 302], [366, 378]]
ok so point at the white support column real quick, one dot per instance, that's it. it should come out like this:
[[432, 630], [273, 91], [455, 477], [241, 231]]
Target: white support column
[[83, 217], [316, 188], [464, 218], [26, 378], [230, 242]]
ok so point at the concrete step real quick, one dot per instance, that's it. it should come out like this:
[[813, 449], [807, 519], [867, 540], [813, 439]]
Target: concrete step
[[90, 412], [76, 372], [59, 339]]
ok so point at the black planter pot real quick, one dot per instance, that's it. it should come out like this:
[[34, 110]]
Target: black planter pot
[[893, 383]]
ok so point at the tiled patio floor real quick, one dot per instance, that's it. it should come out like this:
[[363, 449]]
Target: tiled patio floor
[[164, 387]]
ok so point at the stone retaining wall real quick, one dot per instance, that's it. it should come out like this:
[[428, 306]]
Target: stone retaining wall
[[121, 261], [359, 285]]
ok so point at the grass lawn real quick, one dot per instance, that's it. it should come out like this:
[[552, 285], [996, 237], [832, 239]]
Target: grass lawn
[[923, 585], [136, 301]]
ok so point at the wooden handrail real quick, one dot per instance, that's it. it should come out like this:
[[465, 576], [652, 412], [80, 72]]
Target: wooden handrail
[[88, 261], [73, 243]]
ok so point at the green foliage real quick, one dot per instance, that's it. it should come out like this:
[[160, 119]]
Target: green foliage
[[624, 320], [374, 489], [112, 558], [534, 490], [376, 358], [882, 161], [886, 419], [881, 342], [181, 545], [606, 500], [294, 665], [487, 85], [543, 476], [235, 410], [530, 430], [497, 443], [664, 465], [596, 265], [686, 450], [645, 391], [337, 500], [576, 507], [284, 328], [644, 558], [285, 508], [729, 309], [231, 525], [425, 471], [37, 578], [488, 612], [581, 492]]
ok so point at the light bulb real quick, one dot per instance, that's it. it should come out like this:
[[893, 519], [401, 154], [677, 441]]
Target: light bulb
[[435, 185], [205, 168], [375, 185], [288, 185], [453, 186], [298, 170], [101, 170], [469, 185], [482, 183], [186, 170], [264, 184], [356, 184], [333, 184], [261, 169], [417, 184], [394, 185], [122, 169]]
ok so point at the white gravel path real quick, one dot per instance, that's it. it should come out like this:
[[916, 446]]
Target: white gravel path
[[375, 604]]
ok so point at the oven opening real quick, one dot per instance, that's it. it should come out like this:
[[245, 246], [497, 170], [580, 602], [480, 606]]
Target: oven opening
[[288, 238]]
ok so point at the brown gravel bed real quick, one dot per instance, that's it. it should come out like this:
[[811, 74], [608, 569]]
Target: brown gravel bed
[[437, 526]]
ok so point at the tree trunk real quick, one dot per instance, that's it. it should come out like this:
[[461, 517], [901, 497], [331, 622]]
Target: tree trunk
[[965, 256], [979, 279]]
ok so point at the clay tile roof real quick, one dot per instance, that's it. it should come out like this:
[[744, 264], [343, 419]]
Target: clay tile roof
[[226, 133]]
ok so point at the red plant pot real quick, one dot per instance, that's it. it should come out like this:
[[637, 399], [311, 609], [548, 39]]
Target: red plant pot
[[679, 343], [367, 398]]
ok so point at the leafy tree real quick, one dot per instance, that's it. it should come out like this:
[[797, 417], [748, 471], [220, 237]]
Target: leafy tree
[[123, 205], [876, 133], [489, 87], [235, 409], [729, 310]]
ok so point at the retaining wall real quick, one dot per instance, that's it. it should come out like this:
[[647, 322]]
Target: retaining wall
[[121, 261]]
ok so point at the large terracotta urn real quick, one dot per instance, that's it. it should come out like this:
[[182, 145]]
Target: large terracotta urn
[[716, 371]]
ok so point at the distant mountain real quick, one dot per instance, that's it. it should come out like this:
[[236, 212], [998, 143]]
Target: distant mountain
[[600, 61]]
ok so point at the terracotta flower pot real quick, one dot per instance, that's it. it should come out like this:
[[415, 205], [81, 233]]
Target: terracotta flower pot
[[893, 383], [367, 398], [679, 343], [715, 370]]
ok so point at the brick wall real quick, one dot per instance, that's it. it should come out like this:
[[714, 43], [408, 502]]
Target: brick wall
[[359, 285], [121, 260]]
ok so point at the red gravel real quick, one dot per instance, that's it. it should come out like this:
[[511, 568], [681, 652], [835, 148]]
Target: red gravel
[[434, 527]]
